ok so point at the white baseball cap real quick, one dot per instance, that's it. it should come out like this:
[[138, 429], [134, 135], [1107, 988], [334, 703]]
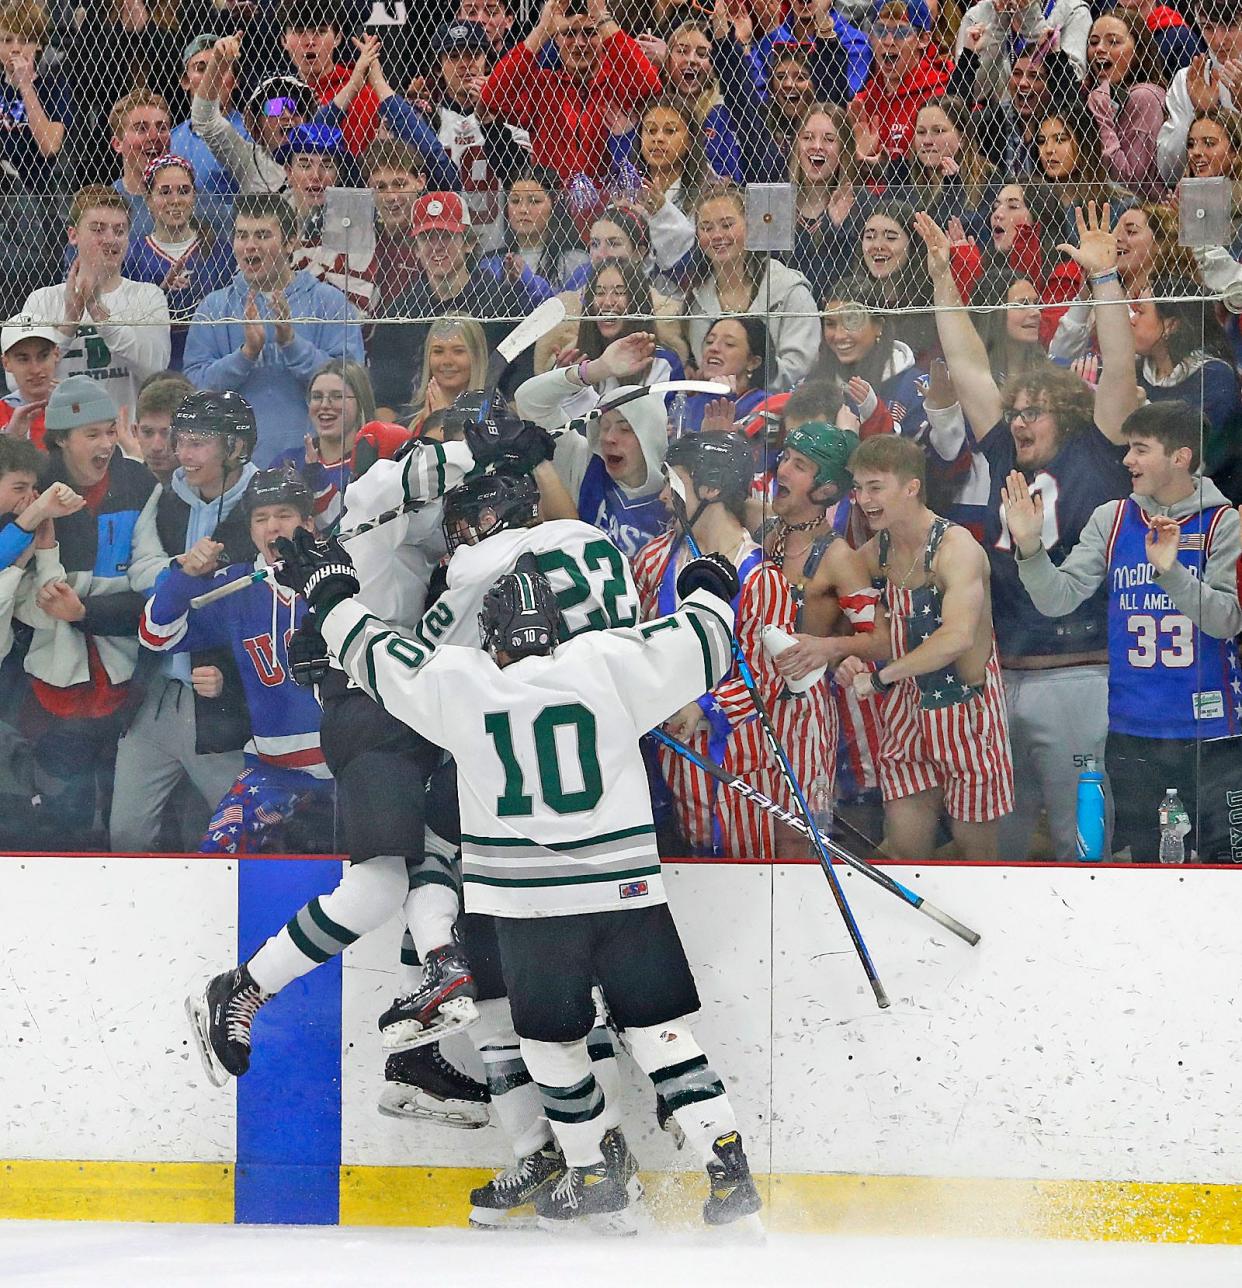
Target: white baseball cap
[[23, 327]]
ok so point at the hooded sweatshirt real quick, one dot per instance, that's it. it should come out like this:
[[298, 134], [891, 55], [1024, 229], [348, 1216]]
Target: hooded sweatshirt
[[784, 300], [1194, 701], [631, 516]]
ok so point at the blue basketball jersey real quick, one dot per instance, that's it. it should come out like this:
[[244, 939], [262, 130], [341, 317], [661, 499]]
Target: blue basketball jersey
[[1084, 474], [630, 523], [1166, 678]]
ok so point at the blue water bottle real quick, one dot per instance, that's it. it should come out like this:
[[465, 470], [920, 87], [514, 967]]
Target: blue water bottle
[[1090, 844]]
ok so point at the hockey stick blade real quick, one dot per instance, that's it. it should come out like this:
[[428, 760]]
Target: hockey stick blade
[[662, 387], [531, 328], [839, 852]]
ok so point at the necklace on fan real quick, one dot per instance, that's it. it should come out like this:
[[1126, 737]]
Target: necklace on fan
[[785, 530]]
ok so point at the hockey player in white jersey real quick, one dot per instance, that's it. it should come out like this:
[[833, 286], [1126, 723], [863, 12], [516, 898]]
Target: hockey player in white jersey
[[558, 842]]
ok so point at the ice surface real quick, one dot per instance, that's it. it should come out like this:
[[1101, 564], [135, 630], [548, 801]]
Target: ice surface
[[64, 1255]]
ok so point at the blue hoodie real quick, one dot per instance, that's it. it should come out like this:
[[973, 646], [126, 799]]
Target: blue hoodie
[[275, 384]]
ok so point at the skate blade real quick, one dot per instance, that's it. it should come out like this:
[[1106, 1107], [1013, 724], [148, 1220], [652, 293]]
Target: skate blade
[[457, 1013], [518, 1218], [196, 1010], [614, 1225], [398, 1101]]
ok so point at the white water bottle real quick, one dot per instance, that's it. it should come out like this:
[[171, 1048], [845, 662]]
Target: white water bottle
[[1174, 825]]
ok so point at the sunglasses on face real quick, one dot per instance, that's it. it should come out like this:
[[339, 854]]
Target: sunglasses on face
[[281, 106]]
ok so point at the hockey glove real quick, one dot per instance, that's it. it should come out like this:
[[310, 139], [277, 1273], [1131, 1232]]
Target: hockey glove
[[321, 571], [308, 653], [377, 440], [500, 434], [712, 573], [530, 449]]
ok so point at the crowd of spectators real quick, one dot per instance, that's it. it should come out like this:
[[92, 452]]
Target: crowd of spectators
[[337, 211]]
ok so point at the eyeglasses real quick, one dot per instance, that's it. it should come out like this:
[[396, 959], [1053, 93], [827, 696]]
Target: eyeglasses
[[904, 32], [1024, 415], [334, 399]]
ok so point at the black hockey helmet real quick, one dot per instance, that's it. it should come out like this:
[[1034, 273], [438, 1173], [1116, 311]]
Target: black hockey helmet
[[520, 616], [511, 499], [719, 459], [473, 408], [227, 414], [278, 487]]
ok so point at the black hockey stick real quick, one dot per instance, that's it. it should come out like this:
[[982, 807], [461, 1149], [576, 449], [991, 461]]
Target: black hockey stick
[[531, 328], [677, 495], [758, 799]]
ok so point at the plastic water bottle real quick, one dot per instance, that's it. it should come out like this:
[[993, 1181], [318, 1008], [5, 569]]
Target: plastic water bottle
[[1174, 825], [1090, 838], [819, 798]]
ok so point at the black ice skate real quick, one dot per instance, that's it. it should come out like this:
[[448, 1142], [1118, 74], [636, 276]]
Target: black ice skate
[[442, 1003], [733, 1193], [422, 1084], [621, 1163], [221, 1020], [508, 1200], [594, 1197]]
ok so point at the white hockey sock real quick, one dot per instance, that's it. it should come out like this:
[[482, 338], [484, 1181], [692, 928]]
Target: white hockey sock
[[669, 1055], [367, 895], [603, 1053], [515, 1098], [430, 911], [572, 1100]]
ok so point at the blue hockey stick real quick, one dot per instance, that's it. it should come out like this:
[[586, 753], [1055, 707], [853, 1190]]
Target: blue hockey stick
[[677, 492]]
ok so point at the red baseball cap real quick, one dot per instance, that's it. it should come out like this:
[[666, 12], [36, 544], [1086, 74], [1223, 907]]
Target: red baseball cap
[[439, 210]]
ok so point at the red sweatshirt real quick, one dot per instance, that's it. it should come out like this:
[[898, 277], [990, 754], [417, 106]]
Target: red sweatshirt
[[893, 114], [568, 122]]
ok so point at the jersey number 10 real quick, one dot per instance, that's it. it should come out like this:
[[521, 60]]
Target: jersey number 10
[[516, 801]]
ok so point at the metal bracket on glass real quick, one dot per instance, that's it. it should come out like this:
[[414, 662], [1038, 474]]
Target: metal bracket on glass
[[349, 222], [1205, 212], [769, 216]]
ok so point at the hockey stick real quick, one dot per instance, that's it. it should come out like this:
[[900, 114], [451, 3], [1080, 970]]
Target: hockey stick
[[678, 497], [661, 387], [232, 587], [531, 328], [769, 806]]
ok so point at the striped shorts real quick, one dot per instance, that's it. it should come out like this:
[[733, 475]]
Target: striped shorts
[[960, 750]]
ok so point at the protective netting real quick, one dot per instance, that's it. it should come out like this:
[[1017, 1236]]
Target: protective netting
[[897, 218]]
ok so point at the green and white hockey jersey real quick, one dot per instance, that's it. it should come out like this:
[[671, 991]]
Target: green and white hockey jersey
[[591, 578], [555, 809]]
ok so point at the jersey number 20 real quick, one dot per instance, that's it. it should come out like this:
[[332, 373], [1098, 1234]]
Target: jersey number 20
[[576, 721]]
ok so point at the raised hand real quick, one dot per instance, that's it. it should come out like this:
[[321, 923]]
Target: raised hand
[[127, 435], [202, 558], [629, 355], [19, 422], [279, 303], [1096, 251], [310, 450], [719, 414], [1024, 513], [1087, 369], [254, 333], [654, 49], [937, 242], [867, 146], [1163, 534], [940, 391], [1199, 85], [860, 394]]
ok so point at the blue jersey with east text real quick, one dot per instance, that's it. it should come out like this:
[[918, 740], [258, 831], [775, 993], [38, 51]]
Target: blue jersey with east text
[[1166, 678], [630, 522], [1084, 474]]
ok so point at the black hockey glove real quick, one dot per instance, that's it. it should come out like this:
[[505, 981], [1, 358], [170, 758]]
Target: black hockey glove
[[501, 435], [532, 448], [308, 653], [712, 573], [319, 570]]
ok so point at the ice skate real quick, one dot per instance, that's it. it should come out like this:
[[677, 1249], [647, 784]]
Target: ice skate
[[422, 1084], [592, 1198], [621, 1163], [442, 1003], [733, 1193], [221, 1018], [508, 1200]]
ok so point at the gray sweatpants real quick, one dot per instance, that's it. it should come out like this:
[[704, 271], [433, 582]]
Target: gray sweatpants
[[154, 756], [1057, 719]]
